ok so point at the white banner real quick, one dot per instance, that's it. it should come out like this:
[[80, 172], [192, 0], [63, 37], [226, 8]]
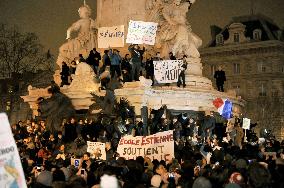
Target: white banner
[[140, 32], [97, 150], [158, 146], [246, 123], [11, 171], [167, 71], [111, 37]]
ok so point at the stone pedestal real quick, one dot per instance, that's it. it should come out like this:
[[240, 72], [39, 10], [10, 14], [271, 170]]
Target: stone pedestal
[[193, 75], [183, 99]]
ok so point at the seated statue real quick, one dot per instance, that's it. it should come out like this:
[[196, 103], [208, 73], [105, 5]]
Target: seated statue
[[84, 42]]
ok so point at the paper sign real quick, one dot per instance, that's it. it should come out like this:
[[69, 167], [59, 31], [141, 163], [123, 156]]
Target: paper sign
[[111, 37], [11, 171], [97, 150], [159, 146], [167, 71], [140, 32], [246, 123]]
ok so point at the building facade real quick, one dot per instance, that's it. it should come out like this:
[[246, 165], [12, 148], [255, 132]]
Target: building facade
[[250, 49]]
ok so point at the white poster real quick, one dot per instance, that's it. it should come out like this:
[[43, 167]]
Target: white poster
[[11, 171], [97, 150], [111, 37], [140, 32], [246, 123], [158, 146], [167, 71]]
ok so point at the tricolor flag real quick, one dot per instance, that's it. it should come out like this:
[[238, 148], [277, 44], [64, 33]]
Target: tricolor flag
[[224, 107]]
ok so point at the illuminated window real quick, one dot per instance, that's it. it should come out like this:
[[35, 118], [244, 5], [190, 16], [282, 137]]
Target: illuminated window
[[219, 39], [257, 34], [237, 68], [261, 67], [236, 37], [213, 69], [262, 90]]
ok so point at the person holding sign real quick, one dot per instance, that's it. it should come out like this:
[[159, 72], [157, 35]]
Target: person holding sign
[[181, 77], [136, 58]]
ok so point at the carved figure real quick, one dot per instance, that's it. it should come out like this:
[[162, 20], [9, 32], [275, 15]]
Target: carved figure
[[86, 39], [174, 33]]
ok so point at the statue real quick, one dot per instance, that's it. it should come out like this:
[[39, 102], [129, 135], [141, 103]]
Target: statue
[[84, 75], [55, 109], [174, 33], [84, 42]]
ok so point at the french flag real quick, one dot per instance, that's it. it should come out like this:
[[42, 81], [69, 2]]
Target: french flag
[[224, 107]]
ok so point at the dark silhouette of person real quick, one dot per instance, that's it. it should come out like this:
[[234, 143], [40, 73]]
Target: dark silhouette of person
[[64, 74], [220, 77]]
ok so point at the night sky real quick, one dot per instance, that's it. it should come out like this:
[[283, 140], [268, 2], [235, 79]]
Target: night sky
[[49, 19]]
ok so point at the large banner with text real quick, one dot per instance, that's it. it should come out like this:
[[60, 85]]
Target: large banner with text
[[140, 32], [167, 71], [11, 173], [158, 146], [111, 37]]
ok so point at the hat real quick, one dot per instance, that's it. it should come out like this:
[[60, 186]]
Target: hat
[[45, 178], [241, 163], [236, 178], [108, 182], [156, 180]]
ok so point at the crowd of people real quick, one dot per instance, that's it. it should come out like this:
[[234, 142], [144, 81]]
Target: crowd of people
[[205, 157], [112, 66]]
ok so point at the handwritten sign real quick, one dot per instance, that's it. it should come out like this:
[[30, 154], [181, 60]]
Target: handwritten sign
[[111, 37], [11, 171], [140, 32], [159, 146], [167, 71], [97, 150], [246, 123]]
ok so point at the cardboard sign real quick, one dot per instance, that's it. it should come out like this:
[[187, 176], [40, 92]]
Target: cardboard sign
[[111, 37], [159, 146], [11, 171], [167, 71], [140, 32], [246, 123], [97, 150]]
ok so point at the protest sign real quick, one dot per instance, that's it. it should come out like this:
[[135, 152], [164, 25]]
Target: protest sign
[[167, 71], [111, 37], [159, 146], [97, 150], [246, 123], [11, 171], [140, 32]]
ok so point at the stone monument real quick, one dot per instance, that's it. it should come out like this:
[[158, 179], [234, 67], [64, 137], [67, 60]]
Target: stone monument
[[174, 34], [84, 80], [85, 41]]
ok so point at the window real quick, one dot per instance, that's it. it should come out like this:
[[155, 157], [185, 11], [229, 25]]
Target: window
[[237, 88], [261, 67], [237, 68], [257, 34], [219, 39], [262, 90], [236, 37], [213, 69]]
